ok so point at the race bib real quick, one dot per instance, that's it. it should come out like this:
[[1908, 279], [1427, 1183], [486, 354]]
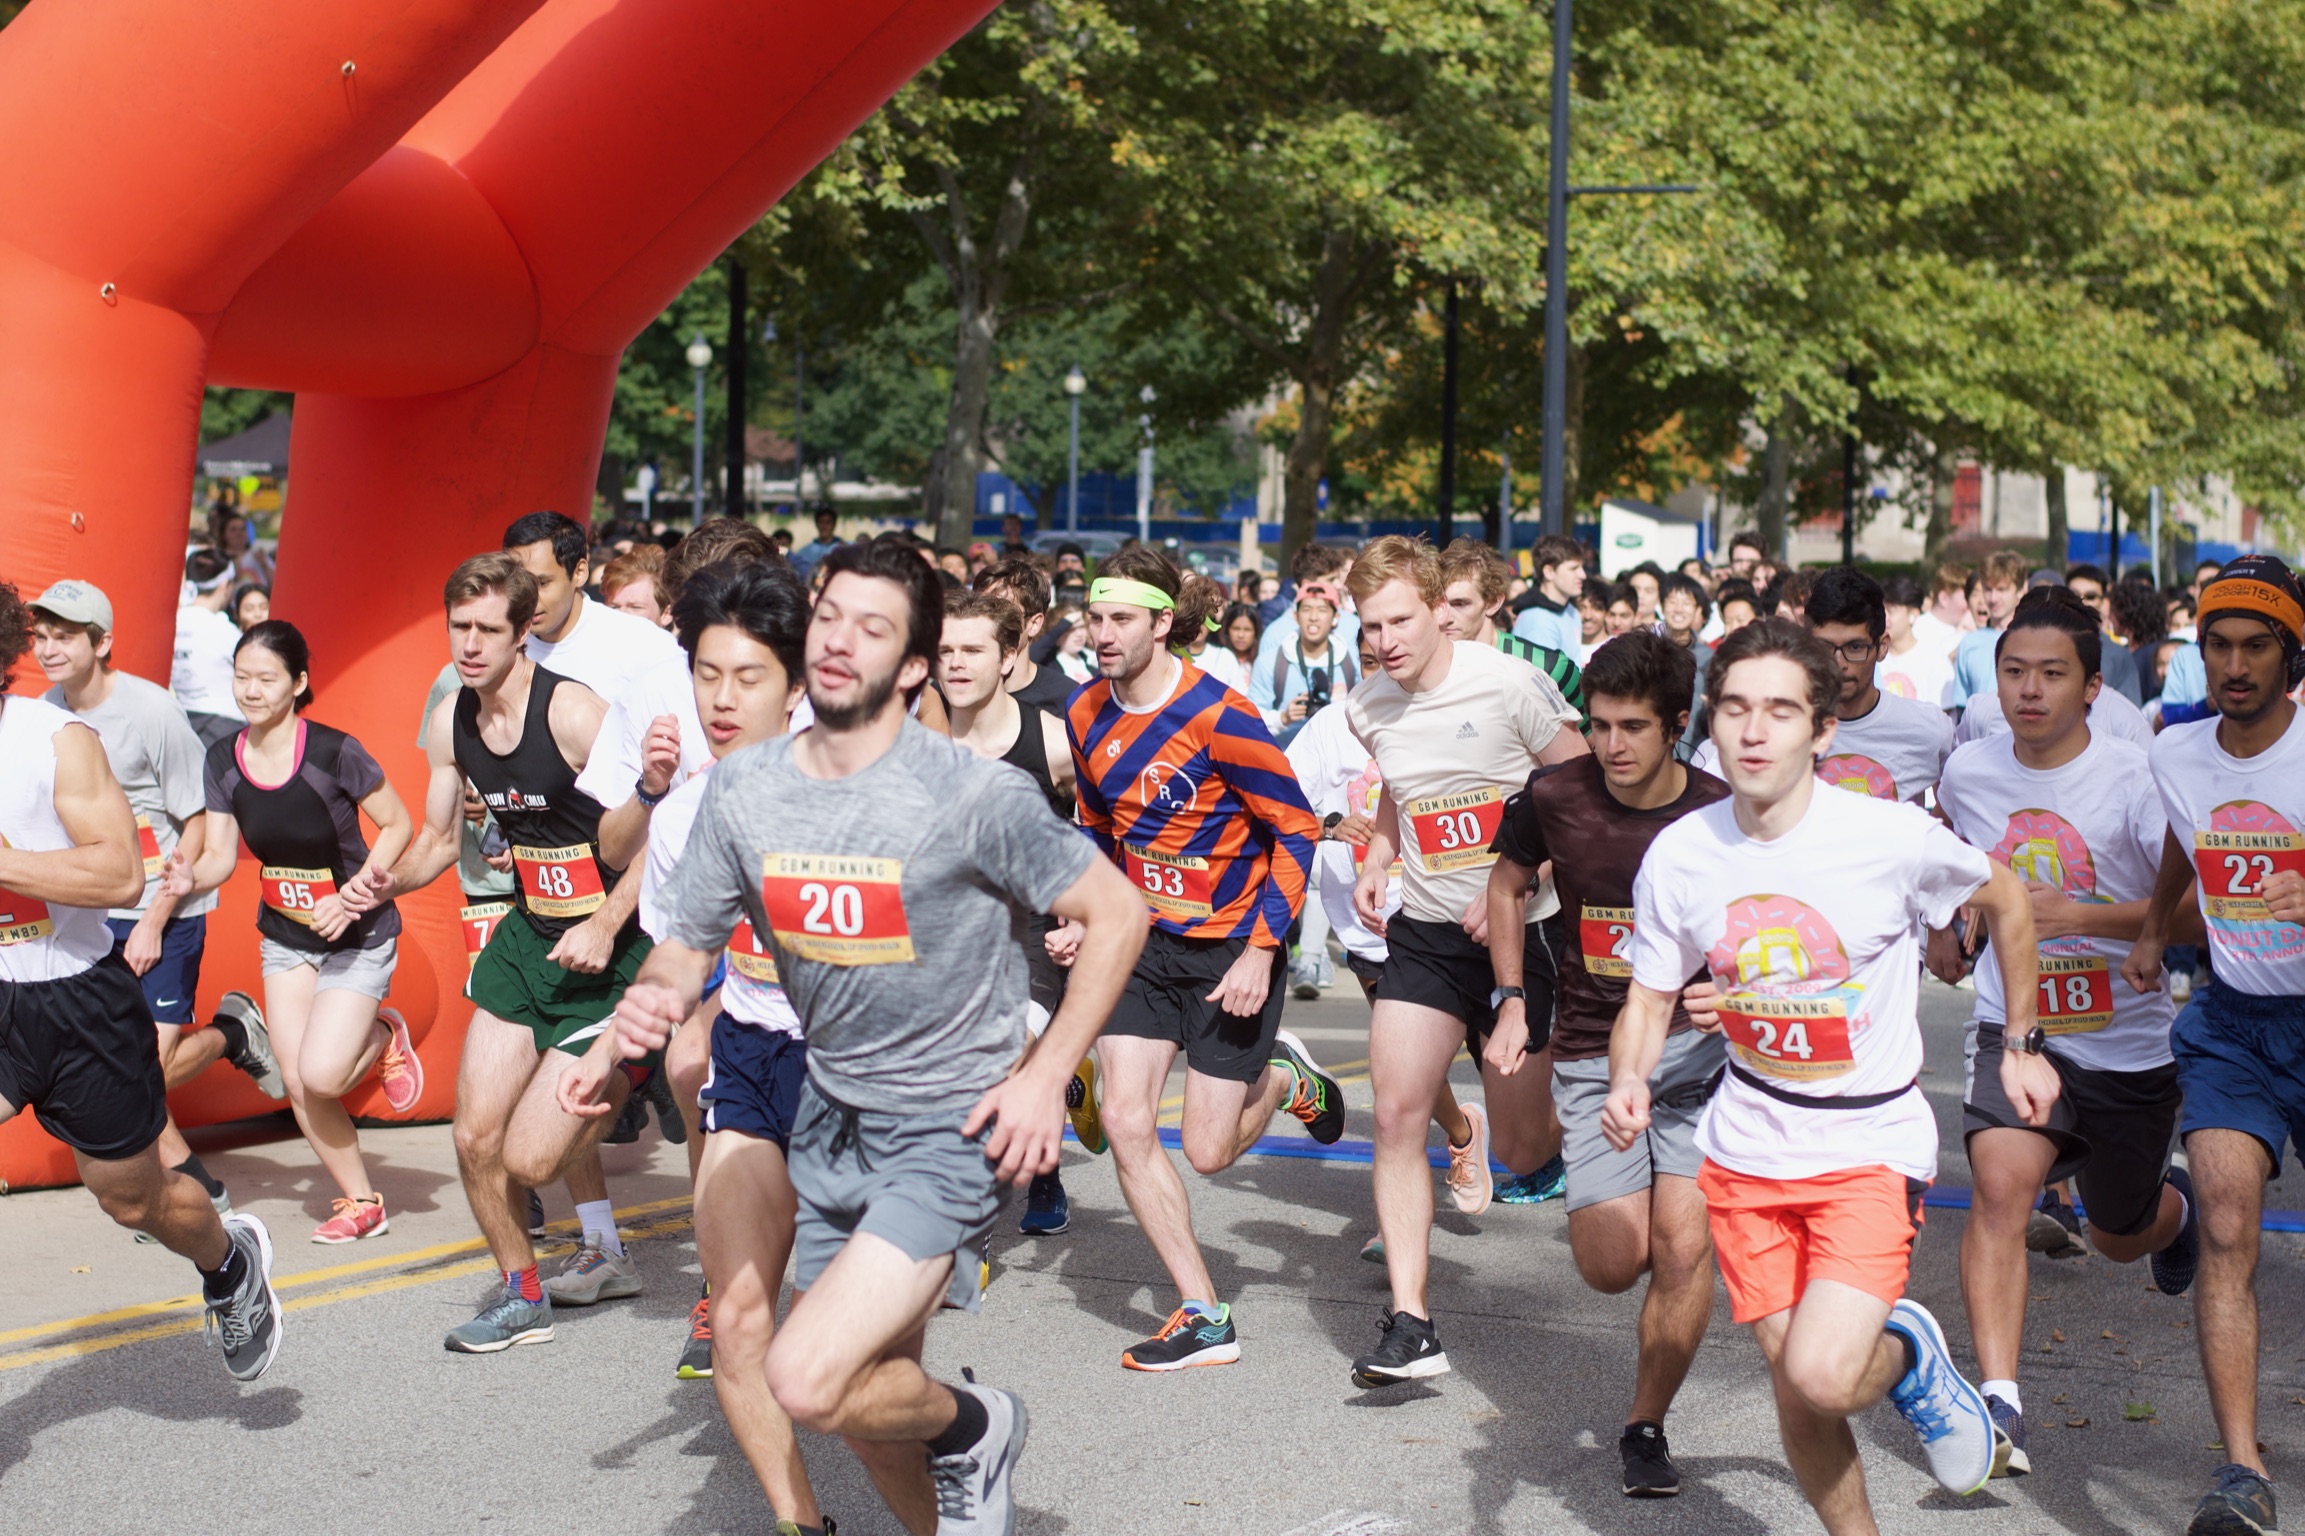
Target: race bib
[[148, 844], [560, 882], [293, 893], [1454, 831], [21, 918], [2076, 994], [1799, 1038], [479, 923], [747, 958], [837, 911], [2233, 867], [1175, 885], [1605, 939]]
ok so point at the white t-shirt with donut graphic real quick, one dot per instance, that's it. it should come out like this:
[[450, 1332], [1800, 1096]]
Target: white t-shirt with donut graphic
[[1814, 940], [1893, 751], [2243, 818], [2094, 829]]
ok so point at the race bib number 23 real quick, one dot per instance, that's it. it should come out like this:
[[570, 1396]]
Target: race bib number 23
[[836, 910]]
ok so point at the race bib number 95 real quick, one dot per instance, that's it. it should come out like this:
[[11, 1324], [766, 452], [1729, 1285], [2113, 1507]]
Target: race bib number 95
[[560, 882], [293, 893], [1605, 939], [837, 911], [1801, 1038], [1454, 831]]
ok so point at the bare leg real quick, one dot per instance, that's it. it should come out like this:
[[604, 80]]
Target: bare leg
[[1223, 1119], [1135, 1070], [140, 1194], [1679, 1305], [2008, 1166], [2128, 1247], [1524, 1130], [542, 1141], [1830, 1357], [2229, 1170], [687, 1062], [184, 1055], [326, 1042], [1448, 1116], [1409, 1053], [499, 1059]]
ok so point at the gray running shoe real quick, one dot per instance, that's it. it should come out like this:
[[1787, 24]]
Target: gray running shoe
[[593, 1274], [504, 1322], [257, 1061], [246, 1324], [973, 1497]]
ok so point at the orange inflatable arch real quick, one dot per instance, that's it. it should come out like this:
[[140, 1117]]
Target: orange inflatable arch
[[440, 223]]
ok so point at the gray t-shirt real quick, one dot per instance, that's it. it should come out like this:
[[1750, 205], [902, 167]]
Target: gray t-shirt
[[158, 762], [896, 900], [474, 875]]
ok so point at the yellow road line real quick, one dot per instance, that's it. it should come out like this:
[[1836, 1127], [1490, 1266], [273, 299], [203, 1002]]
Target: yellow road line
[[409, 1263]]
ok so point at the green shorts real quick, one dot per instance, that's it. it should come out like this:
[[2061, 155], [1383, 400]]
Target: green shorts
[[566, 1010]]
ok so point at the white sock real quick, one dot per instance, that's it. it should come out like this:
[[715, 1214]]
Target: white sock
[[2006, 1391], [597, 1218]]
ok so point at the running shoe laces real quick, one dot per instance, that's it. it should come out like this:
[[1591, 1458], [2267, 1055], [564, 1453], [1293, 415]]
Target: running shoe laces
[[955, 1479], [1464, 1171], [1305, 1102], [1921, 1397], [228, 1324], [700, 1319]]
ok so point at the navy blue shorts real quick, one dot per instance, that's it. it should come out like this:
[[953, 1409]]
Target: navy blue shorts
[[2241, 1062], [753, 1085], [175, 976]]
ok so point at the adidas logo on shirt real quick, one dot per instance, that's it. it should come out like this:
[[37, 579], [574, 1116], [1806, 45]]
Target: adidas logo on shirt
[[1466, 732]]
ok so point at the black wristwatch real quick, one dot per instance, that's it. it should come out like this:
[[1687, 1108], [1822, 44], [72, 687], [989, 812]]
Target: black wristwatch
[[1497, 998], [640, 793], [2034, 1041], [1329, 824]]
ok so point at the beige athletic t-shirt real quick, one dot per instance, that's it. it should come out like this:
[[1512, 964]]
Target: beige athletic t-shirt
[[1449, 756]]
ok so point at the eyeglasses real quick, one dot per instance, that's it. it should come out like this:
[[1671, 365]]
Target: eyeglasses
[[1857, 650]]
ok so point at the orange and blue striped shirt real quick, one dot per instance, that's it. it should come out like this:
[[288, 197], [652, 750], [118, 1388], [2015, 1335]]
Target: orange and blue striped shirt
[[1198, 806]]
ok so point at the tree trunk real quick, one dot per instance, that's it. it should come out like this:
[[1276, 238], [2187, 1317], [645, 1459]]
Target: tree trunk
[[1308, 456], [1345, 268], [1776, 479], [964, 423], [1944, 467], [2053, 501]]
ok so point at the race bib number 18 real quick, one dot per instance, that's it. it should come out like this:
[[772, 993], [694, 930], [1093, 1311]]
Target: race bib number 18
[[1801, 1038], [2076, 994], [1605, 939], [1454, 831], [837, 911], [293, 893], [560, 882]]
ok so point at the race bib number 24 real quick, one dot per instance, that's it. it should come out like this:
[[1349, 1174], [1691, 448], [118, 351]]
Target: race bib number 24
[[1799, 1038], [836, 910]]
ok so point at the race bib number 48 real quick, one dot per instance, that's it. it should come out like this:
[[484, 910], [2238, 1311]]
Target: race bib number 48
[[479, 923], [837, 911], [1605, 938], [2233, 866], [1175, 885], [293, 893], [1801, 1038], [1454, 831], [2076, 994], [560, 882]]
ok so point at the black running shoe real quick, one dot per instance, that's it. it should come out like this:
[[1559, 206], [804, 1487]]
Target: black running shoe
[[658, 1091], [535, 1214], [1409, 1349], [1649, 1470], [1317, 1099], [2174, 1265], [2054, 1229], [246, 1324], [630, 1120], [1190, 1337], [696, 1352]]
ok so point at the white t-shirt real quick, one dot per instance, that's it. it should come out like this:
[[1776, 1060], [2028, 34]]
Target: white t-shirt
[[1338, 776], [2242, 816], [1893, 751], [2111, 715], [1936, 637], [39, 941], [1451, 755], [1222, 665], [2092, 828], [1922, 673], [751, 994], [159, 764], [201, 677], [1819, 1006], [605, 650], [665, 688]]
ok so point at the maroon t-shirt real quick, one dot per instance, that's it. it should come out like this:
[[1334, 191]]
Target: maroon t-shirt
[[1596, 842]]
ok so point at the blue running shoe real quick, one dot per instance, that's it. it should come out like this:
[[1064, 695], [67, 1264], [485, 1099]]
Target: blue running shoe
[[2238, 1503], [1547, 1183], [2174, 1265], [2009, 1458], [1047, 1211], [1948, 1414], [504, 1322]]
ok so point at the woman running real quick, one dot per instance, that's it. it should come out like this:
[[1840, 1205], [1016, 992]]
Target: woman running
[[293, 790]]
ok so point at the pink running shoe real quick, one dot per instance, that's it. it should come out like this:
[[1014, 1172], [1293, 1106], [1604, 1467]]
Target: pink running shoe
[[399, 1069], [354, 1220]]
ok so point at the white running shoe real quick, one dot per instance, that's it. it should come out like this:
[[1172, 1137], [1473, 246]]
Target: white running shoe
[[973, 1496], [1949, 1414]]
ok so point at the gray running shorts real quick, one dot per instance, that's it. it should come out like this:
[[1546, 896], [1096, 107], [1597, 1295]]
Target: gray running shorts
[[365, 971], [1678, 1091], [911, 1180]]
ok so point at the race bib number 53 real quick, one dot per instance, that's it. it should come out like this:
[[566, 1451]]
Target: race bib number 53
[[837, 911], [1801, 1038], [1175, 885], [1454, 831], [560, 882], [293, 893]]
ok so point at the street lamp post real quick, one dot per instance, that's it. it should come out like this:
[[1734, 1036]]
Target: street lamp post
[[1144, 471], [1075, 385], [699, 358]]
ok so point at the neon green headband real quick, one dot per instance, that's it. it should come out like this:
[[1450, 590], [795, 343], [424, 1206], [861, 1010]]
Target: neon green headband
[[1116, 589]]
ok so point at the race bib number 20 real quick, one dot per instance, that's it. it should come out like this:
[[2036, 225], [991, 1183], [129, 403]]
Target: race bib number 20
[[835, 910], [1454, 831]]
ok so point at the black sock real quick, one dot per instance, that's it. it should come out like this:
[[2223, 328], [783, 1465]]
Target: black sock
[[223, 1280], [969, 1422], [199, 1174], [234, 1033]]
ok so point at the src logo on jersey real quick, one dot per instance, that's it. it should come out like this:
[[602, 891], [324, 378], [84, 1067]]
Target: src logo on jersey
[[1166, 787], [516, 800]]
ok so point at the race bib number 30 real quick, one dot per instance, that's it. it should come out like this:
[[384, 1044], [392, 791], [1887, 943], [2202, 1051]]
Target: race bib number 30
[[2233, 867], [748, 958], [148, 844], [837, 911], [1454, 831], [1800, 1038], [1605, 938], [1175, 885], [293, 893], [2076, 994], [479, 923], [560, 882]]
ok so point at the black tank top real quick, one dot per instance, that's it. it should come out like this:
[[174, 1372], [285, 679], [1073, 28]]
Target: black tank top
[[553, 827], [1030, 752], [305, 834]]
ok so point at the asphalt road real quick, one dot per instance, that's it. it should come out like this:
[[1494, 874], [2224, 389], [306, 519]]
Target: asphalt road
[[115, 1418]]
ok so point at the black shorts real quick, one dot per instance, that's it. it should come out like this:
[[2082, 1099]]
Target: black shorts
[[753, 1083], [1437, 965], [1167, 999], [1045, 976], [2112, 1130], [82, 1051]]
